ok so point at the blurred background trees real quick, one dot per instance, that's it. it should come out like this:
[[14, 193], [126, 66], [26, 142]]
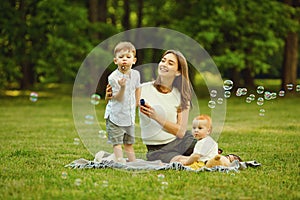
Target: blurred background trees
[[46, 41]]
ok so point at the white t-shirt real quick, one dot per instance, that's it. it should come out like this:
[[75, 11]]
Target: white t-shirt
[[165, 105], [122, 113], [207, 148]]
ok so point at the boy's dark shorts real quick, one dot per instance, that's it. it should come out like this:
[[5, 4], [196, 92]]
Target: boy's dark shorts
[[119, 134]]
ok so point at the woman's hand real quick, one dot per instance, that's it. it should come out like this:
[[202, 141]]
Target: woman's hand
[[148, 111], [108, 92]]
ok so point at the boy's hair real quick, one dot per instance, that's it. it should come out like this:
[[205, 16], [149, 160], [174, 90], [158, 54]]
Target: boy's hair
[[207, 118], [125, 46]]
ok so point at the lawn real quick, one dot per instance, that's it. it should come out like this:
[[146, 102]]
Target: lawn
[[37, 141]]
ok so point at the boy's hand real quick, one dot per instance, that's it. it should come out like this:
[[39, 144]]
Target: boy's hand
[[122, 82]]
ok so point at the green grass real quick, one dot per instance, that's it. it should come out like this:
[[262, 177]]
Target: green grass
[[37, 142]]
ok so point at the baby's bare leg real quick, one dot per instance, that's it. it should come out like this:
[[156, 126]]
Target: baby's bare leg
[[181, 159]]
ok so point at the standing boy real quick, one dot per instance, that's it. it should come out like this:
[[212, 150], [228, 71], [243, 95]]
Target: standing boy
[[120, 110]]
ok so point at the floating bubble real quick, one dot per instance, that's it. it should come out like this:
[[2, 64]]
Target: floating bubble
[[33, 96], [212, 104], [241, 92], [102, 134], [89, 119], [64, 175], [298, 88], [213, 93], [160, 177], [289, 86], [76, 141], [238, 92], [220, 100], [228, 84], [260, 101], [267, 95], [227, 94], [78, 182], [105, 183], [164, 185], [252, 97], [248, 100], [95, 99], [260, 89], [244, 91], [281, 93], [262, 112], [273, 95]]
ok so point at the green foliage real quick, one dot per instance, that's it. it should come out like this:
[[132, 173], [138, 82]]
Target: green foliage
[[46, 41], [65, 42], [239, 34]]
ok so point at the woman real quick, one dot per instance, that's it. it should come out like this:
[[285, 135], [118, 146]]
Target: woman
[[164, 117]]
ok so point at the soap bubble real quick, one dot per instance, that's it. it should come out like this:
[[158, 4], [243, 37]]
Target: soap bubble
[[289, 86], [238, 92], [64, 175], [273, 95], [228, 84], [260, 89], [160, 177], [104, 183], [262, 112], [281, 93], [212, 104], [213, 93], [227, 94], [95, 99], [33, 96], [252, 97], [267, 95], [220, 100], [89, 119], [298, 88], [244, 91], [102, 134], [241, 92], [260, 101], [78, 182], [76, 141], [164, 185], [248, 100]]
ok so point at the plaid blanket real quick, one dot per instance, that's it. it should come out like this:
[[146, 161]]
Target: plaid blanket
[[143, 165]]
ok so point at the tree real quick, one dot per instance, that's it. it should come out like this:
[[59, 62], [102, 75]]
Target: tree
[[239, 35], [291, 49]]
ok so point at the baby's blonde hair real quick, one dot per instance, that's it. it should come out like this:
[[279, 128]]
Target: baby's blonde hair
[[207, 118], [125, 46]]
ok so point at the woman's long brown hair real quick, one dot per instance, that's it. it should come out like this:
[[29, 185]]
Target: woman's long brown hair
[[182, 82]]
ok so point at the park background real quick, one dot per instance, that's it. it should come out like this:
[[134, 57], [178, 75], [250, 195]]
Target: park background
[[43, 44]]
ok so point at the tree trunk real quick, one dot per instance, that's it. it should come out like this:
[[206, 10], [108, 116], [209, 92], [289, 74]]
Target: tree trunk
[[290, 60], [139, 13], [102, 15], [93, 10], [125, 19], [93, 15], [248, 78], [234, 75], [27, 79]]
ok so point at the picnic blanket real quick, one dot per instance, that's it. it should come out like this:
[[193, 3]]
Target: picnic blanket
[[143, 165]]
